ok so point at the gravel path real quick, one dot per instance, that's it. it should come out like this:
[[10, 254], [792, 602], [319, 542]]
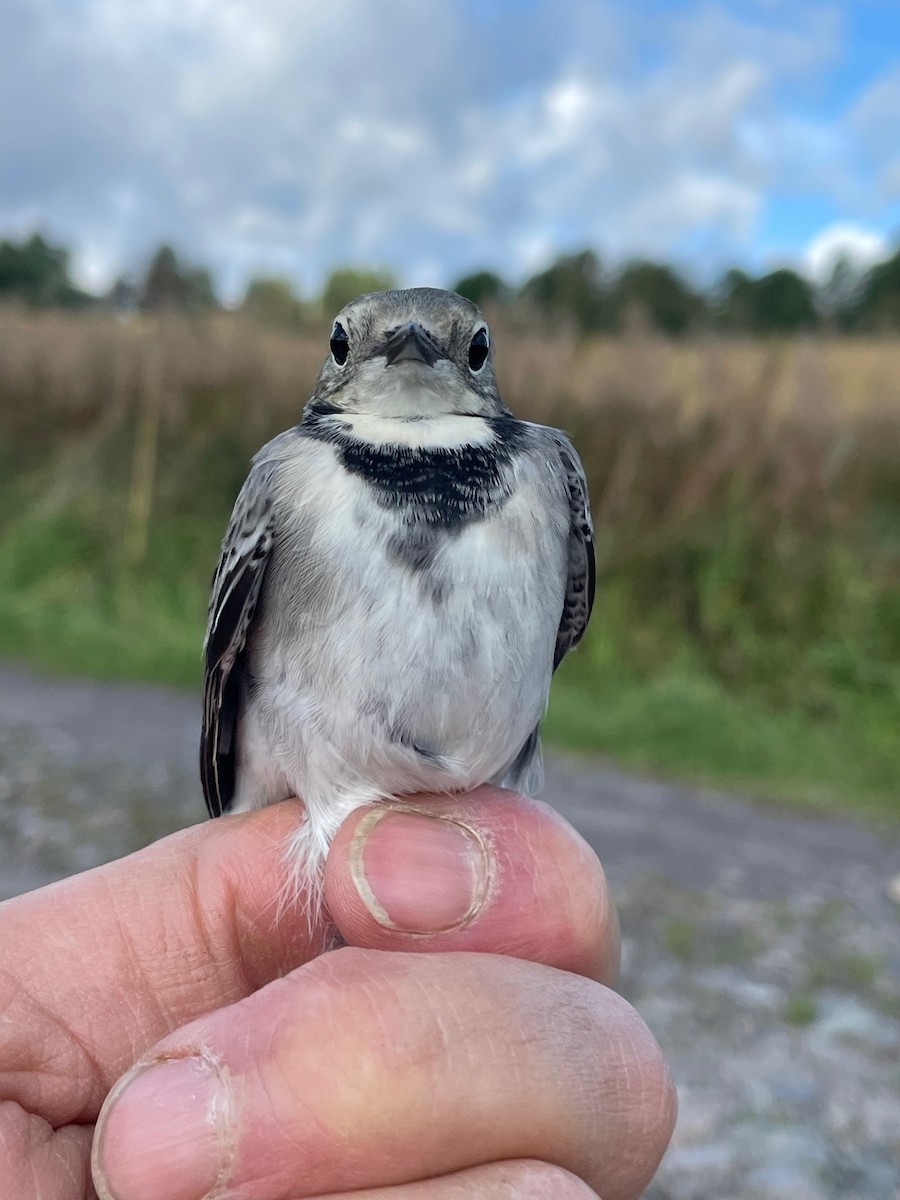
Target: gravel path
[[762, 946]]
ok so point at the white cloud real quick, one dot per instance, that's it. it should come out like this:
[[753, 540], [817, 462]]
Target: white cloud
[[860, 247], [291, 135]]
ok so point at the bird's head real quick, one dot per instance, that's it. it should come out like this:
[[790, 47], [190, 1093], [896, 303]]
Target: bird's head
[[416, 352]]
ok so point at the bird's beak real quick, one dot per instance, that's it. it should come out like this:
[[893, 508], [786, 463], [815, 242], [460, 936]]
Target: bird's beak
[[411, 343]]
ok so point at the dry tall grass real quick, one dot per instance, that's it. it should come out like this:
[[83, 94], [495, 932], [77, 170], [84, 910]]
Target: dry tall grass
[[80, 368]]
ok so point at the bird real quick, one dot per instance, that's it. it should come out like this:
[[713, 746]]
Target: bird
[[402, 574]]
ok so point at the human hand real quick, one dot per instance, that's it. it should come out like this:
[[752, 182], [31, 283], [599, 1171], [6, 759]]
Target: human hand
[[383, 1076]]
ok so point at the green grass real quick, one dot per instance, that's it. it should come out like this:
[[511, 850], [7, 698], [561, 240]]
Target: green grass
[[831, 744], [680, 938], [854, 971], [801, 1009], [68, 606], [684, 726]]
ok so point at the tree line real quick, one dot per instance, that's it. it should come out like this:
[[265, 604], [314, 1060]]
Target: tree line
[[576, 292]]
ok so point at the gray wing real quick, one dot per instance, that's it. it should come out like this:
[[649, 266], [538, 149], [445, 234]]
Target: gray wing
[[525, 771], [236, 588], [582, 574]]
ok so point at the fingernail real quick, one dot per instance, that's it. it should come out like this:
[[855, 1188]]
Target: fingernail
[[163, 1133], [419, 873]]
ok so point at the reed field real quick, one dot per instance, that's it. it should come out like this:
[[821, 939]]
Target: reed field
[[746, 497]]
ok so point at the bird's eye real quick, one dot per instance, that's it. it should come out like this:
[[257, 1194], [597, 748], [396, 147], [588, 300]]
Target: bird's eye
[[478, 349], [340, 344]]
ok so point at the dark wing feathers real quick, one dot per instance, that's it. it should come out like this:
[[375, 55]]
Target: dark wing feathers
[[582, 574], [580, 580], [235, 592]]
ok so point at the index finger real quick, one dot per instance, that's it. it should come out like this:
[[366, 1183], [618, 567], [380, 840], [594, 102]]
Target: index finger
[[98, 967]]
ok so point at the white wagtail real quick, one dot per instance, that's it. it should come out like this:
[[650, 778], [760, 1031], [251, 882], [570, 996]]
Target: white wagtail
[[403, 572]]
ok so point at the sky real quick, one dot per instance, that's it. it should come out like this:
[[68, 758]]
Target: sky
[[292, 136]]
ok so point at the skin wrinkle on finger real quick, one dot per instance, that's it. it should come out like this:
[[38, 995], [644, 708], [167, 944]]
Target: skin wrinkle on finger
[[225, 962], [600, 913], [603, 915], [134, 976], [43, 1051], [212, 936], [529, 1060], [251, 951], [133, 991], [510, 1180], [71, 1150], [39, 1162], [652, 1108], [153, 967]]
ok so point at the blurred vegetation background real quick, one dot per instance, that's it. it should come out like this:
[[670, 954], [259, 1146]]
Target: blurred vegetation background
[[743, 447]]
